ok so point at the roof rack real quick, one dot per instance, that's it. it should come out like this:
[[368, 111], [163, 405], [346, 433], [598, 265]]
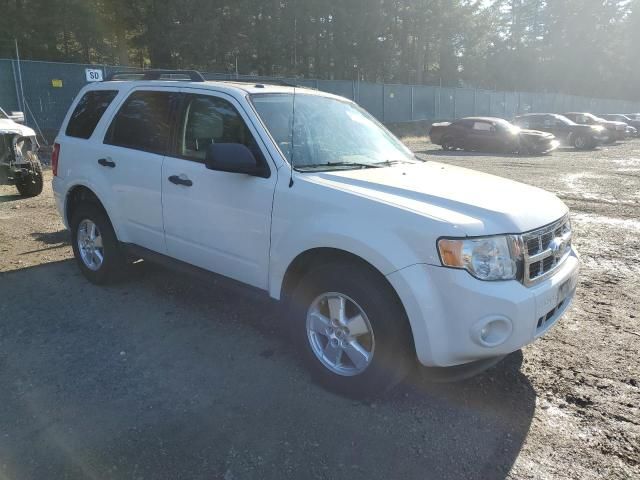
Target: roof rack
[[156, 74], [281, 83]]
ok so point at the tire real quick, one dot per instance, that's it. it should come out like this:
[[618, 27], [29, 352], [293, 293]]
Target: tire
[[365, 293], [581, 142], [32, 185], [523, 149], [113, 262], [447, 144]]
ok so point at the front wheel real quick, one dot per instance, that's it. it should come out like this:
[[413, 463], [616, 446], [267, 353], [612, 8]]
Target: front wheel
[[351, 330], [31, 185]]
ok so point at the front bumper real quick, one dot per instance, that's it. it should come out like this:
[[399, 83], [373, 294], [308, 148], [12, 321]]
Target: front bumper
[[448, 308]]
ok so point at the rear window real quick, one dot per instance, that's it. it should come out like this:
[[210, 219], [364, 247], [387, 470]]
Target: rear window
[[88, 112], [143, 122]]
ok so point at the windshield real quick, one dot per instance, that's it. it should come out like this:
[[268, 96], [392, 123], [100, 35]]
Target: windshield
[[3, 114], [564, 120], [327, 132], [508, 126]]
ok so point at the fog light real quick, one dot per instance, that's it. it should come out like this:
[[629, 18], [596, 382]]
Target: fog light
[[492, 331]]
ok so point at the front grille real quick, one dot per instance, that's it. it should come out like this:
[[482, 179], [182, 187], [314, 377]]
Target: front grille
[[545, 319], [545, 249]]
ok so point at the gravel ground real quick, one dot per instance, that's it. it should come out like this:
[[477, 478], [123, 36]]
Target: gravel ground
[[164, 376]]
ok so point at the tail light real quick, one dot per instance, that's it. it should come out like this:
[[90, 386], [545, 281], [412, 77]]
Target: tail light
[[55, 155]]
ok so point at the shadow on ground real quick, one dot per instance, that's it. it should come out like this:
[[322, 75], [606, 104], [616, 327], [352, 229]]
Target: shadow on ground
[[462, 153], [167, 376], [10, 198], [52, 238]]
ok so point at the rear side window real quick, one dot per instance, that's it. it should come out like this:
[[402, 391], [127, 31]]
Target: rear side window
[[88, 113], [143, 122]]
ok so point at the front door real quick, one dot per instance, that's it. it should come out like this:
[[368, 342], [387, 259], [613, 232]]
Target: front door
[[218, 221]]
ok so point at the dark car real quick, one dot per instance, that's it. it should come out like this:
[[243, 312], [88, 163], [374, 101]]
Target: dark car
[[566, 131], [619, 117], [488, 134], [616, 130]]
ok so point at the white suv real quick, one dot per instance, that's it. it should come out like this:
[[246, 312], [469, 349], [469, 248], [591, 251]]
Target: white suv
[[379, 257]]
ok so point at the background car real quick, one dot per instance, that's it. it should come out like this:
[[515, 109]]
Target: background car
[[566, 131], [619, 117], [489, 134], [616, 130]]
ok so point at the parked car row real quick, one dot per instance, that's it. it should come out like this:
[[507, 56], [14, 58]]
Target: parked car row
[[534, 133]]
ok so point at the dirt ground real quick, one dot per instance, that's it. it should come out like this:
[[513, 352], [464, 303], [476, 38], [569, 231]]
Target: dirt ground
[[167, 376]]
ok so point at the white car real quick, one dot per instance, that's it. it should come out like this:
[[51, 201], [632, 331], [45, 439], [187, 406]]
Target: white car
[[19, 162], [380, 258]]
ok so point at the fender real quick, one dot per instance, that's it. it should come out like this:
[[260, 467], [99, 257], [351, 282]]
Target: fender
[[385, 250], [101, 196]]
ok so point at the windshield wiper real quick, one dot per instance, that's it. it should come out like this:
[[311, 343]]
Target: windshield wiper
[[329, 165], [387, 163]]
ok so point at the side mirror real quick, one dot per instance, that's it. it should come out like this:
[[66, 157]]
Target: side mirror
[[234, 158], [17, 117]]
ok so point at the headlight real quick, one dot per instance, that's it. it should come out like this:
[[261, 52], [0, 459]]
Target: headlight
[[486, 258]]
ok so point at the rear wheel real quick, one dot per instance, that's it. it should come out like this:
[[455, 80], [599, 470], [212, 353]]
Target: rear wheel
[[352, 332], [448, 144], [95, 245], [31, 185]]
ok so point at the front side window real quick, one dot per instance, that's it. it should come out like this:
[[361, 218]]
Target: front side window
[[88, 113], [320, 132], [208, 120], [143, 122], [3, 115]]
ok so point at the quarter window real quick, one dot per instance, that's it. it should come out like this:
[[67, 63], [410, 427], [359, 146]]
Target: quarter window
[[143, 122], [88, 113], [208, 120]]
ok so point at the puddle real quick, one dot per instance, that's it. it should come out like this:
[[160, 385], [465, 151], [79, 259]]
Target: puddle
[[628, 162], [627, 224]]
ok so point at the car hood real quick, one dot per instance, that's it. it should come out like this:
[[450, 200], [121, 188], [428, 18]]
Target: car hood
[[9, 126], [536, 134], [473, 203]]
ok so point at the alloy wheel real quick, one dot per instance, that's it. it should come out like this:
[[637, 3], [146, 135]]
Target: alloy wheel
[[340, 334], [89, 241]]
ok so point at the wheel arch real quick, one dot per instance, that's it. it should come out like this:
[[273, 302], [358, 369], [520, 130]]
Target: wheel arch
[[79, 194], [314, 257]]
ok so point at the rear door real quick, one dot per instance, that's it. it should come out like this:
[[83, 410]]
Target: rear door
[[219, 221], [131, 162]]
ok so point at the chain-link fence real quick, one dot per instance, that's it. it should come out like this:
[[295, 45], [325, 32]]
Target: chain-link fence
[[44, 91]]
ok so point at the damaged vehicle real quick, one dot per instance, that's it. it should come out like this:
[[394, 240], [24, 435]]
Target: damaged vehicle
[[19, 162]]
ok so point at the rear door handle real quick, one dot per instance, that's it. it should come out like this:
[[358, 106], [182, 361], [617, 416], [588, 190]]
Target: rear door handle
[[107, 163], [175, 179]]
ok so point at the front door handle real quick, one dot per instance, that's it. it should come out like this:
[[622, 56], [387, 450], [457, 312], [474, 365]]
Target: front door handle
[[175, 179], [107, 163]]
